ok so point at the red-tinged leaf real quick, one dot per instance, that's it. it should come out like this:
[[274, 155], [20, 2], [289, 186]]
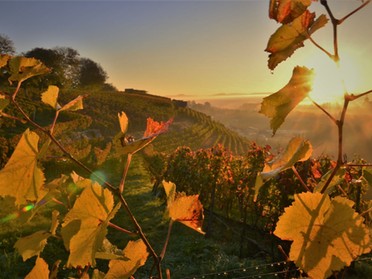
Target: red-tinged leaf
[[155, 128], [288, 38], [285, 11], [278, 105], [187, 210]]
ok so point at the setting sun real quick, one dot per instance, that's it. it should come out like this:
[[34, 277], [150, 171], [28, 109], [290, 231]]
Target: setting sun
[[333, 80]]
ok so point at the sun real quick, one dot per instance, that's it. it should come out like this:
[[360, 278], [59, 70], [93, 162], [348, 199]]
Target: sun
[[332, 80]]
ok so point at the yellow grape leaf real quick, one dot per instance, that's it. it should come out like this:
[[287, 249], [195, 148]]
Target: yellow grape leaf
[[74, 105], [22, 68], [32, 245], [297, 150], [4, 58], [21, 177], [187, 210], [123, 121], [336, 180], [85, 225], [50, 96], [3, 102], [98, 274], [327, 234], [170, 191], [290, 37], [55, 222], [134, 256], [285, 11], [40, 270], [278, 105]]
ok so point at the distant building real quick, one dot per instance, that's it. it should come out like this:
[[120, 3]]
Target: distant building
[[134, 91], [179, 103]]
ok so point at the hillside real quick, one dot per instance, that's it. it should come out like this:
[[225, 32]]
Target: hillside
[[97, 123]]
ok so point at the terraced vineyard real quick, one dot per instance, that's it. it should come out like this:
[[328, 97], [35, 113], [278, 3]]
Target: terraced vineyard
[[198, 130]]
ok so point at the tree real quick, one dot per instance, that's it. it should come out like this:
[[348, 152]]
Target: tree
[[6, 45], [64, 63], [91, 73]]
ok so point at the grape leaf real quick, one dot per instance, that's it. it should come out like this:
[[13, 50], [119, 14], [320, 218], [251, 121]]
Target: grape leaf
[[278, 105], [187, 210], [297, 150], [55, 222], [170, 191], [21, 177], [290, 37], [74, 105], [85, 225], [336, 180], [123, 121], [134, 256], [4, 58], [22, 68], [153, 129], [50, 96], [40, 270], [32, 245], [285, 11], [327, 234], [367, 177], [3, 102]]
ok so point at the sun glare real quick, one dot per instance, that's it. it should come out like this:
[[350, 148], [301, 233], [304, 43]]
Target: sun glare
[[333, 80]]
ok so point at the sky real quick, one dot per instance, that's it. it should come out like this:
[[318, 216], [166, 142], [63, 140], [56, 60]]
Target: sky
[[185, 49]]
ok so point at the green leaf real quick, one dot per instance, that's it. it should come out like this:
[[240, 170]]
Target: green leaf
[[285, 11], [290, 37], [50, 96], [297, 150], [74, 105], [123, 121], [278, 105], [327, 234], [40, 270], [21, 177], [134, 256], [85, 225], [22, 68], [4, 58], [32, 245]]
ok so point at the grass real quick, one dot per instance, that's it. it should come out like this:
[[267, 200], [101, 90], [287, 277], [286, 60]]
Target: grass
[[189, 254]]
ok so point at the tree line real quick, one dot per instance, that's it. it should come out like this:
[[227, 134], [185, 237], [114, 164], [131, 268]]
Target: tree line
[[68, 69]]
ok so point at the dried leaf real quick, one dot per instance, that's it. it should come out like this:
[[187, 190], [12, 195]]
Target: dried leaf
[[285, 11], [123, 121]]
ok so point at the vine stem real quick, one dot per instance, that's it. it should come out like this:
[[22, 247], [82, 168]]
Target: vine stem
[[120, 228], [125, 172], [300, 178], [340, 124], [162, 254]]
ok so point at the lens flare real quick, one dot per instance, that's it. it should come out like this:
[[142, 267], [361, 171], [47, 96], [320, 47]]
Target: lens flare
[[17, 214]]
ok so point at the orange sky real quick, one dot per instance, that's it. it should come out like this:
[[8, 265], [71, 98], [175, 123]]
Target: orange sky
[[185, 49]]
